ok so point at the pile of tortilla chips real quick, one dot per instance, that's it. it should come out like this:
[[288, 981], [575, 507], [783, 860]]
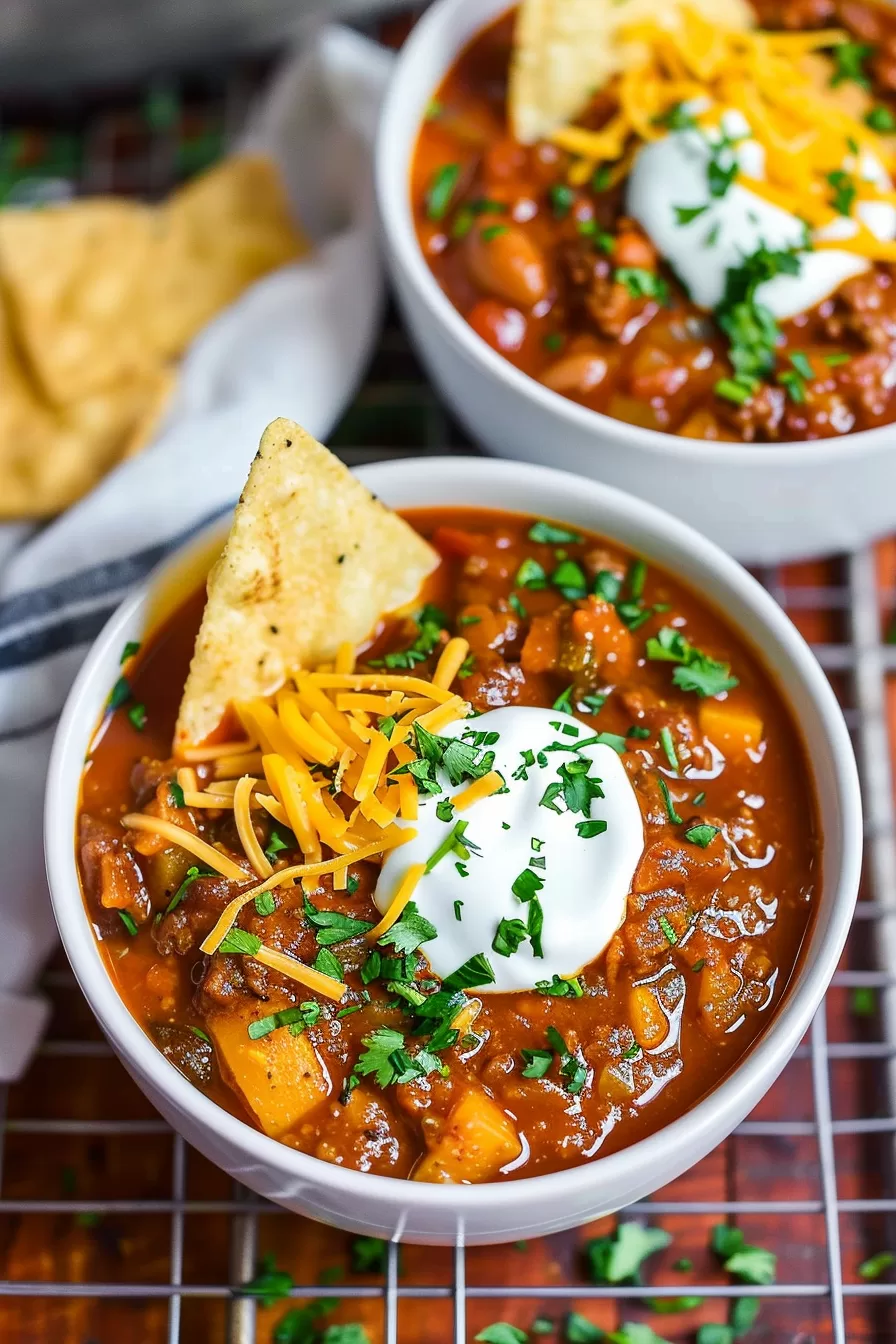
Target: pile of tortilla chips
[[99, 298]]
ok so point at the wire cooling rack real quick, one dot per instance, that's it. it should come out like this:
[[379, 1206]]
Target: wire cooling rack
[[112, 1229]]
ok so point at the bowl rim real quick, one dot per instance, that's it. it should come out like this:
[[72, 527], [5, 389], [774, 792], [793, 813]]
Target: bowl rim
[[393, 154], [733, 1095]]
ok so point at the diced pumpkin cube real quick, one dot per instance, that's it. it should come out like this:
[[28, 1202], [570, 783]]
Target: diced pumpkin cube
[[733, 728], [477, 1141], [278, 1076]]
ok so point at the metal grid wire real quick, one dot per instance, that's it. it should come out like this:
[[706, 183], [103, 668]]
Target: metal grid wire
[[112, 1229]]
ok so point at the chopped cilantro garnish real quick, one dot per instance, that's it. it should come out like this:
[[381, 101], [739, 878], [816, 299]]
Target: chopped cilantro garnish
[[562, 199], [530, 575], [699, 798], [441, 189], [676, 118], [190, 877], [329, 964], [509, 936], [751, 327], [837, 358], [639, 731], [550, 535], [538, 1062], [276, 844], [120, 693], [351, 884], [499, 1332], [569, 580], [553, 341], [492, 231], [572, 1068], [619, 1257], [270, 1284], [458, 906], [849, 63], [128, 921], [331, 927], [551, 793], [642, 284], [587, 830], [561, 987], [880, 119], [751, 1264], [518, 607], [696, 672], [467, 667], [297, 1019], [669, 933], [844, 191], [129, 651], [475, 971], [607, 585], [386, 726], [668, 803], [701, 835], [684, 214], [386, 1059], [430, 622], [240, 943], [137, 716], [444, 809], [600, 178], [409, 931], [875, 1266], [177, 793], [668, 747], [593, 703], [265, 903], [527, 885], [535, 925], [564, 701]]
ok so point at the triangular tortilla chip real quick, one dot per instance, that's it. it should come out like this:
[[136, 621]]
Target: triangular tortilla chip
[[312, 561], [565, 49]]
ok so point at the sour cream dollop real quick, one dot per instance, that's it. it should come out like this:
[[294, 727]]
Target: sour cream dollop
[[671, 173], [586, 880]]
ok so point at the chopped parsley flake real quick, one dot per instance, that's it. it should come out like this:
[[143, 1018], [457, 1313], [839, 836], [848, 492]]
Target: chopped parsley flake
[[751, 328], [518, 607], [297, 1019], [549, 534], [669, 933], [849, 63], [701, 835], [137, 716], [587, 830], [441, 189], [476, 970], [128, 921], [265, 903], [509, 937], [668, 747], [409, 931], [696, 671], [329, 964], [129, 651], [530, 575], [880, 119], [332, 927], [177, 793], [684, 214], [642, 284], [572, 1068], [120, 693], [561, 987], [668, 803]]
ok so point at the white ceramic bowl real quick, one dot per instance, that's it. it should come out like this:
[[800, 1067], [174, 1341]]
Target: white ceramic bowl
[[763, 502], [443, 1214]]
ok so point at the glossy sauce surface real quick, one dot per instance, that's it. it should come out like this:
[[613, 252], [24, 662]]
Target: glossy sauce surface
[[534, 267], [713, 931]]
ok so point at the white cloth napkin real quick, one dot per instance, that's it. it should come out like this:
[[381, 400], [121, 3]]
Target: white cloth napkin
[[295, 344]]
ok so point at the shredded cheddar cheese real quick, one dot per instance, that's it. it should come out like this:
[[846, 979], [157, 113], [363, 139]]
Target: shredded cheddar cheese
[[242, 795], [778, 81], [480, 788], [406, 888], [176, 835]]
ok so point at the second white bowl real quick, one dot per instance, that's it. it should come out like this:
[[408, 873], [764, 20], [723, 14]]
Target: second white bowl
[[763, 502]]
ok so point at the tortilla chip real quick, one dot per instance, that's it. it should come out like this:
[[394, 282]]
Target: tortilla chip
[[565, 49], [221, 232], [312, 560], [75, 276], [50, 457]]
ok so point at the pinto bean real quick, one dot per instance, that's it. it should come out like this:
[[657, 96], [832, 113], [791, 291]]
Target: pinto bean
[[504, 260]]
